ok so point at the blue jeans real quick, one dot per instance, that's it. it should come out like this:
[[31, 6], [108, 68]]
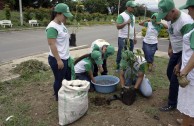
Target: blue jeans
[[84, 76], [174, 86], [121, 45], [59, 74], [149, 51]]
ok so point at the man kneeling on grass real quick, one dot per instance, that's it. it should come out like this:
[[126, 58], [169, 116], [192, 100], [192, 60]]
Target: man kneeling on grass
[[132, 73]]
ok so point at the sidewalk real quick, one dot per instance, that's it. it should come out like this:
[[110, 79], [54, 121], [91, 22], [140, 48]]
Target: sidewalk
[[74, 52]]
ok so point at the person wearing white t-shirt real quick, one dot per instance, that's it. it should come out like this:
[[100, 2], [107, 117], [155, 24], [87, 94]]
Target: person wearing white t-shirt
[[178, 23], [84, 68], [126, 28], [150, 41], [58, 40], [107, 50], [186, 95]]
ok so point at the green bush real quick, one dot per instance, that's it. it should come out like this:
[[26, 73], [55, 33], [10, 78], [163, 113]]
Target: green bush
[[7, 12]]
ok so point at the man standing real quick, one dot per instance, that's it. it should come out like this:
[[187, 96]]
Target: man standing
[[125, 25], [178, 22]]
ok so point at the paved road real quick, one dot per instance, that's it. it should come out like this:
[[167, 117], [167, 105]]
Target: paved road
[[17, 44]]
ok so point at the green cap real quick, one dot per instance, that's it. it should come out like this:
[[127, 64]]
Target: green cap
[[155, 15], [131, 4], [110, 50], [63, 8], [97, 56], [165, 6], [188, 3]]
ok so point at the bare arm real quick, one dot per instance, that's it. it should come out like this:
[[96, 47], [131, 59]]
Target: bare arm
[[188, 67], [54, 51], [120, 26], [142, 23], [90, 73], [170, 49], [139, 80], [122, 79]]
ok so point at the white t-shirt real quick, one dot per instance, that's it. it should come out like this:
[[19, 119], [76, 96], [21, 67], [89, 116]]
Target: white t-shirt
[[62, 40], [151, 36], [186, 55], [175, 34], [80, 67], [123, 33]]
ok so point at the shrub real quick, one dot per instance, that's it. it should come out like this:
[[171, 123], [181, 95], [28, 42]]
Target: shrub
[[7, 12]]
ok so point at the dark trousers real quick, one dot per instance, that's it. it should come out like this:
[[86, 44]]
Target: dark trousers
[[104, 66], [174, 86], [59, 75], [121, 45]]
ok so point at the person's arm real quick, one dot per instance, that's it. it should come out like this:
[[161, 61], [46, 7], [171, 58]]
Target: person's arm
[[188, 67], [143, 22], [51, 37], [55, 53], [170, 49], [90, 73], [122, 79], [139, 80], [120, 22], [135, 39]]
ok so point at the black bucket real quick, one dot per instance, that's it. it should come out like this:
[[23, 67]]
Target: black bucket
[[72, 39]]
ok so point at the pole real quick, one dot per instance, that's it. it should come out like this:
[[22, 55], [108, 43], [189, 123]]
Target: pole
[[119, 6], [145, 12], [21, 15]]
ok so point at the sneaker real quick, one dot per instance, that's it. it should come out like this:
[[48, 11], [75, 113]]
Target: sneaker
[[167, 108]]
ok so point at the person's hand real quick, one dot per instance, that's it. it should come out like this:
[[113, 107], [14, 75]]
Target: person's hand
[[60, 64], [170, 52], [100, 69], [183, 72], [129, 21], [177, 70]]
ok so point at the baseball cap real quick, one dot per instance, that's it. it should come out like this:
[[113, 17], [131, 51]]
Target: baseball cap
[[188, 3], [131, 4], [165, 6], [155, 15], [63, 8], [110, 50], [97, 56]]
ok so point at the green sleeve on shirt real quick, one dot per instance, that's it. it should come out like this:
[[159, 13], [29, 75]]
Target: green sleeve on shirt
[[192, 41], [145, 24], [51, 33], [120, 19], [186, 28], [142, 67], [87, 67]]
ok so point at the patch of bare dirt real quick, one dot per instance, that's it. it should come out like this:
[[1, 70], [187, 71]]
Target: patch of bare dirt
[[144, 112]]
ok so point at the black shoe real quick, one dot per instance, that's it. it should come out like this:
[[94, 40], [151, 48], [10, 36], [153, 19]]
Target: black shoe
[[167, 108]]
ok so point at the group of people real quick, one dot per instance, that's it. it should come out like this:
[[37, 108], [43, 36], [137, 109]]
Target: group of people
[[181, 32]]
